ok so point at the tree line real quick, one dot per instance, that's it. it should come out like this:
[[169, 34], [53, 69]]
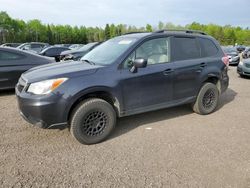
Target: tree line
[[16, 30]]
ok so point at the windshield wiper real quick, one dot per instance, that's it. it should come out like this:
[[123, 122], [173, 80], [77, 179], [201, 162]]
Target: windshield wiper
[[89, 62]]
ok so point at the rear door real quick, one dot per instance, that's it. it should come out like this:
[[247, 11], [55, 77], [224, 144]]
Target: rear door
[[11, 67], [188, 65]]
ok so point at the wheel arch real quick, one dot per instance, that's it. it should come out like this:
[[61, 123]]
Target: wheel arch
[[97, 92], [213, 78]]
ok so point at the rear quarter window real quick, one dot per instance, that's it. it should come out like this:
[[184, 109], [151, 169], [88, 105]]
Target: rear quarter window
[[4, 55], [208, 47], [184, 48]]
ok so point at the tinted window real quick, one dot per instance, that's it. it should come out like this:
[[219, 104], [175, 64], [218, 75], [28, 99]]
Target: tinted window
[[154, 51], [51, 51], [59, 50], [185, 48], [9, 56], [209, 48]]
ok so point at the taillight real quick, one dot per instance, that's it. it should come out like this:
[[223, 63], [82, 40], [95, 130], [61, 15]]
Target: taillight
[[225, 60]]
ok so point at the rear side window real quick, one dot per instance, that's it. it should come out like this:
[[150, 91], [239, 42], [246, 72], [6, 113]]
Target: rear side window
[[185, 48], [208, 47], [9, 56]]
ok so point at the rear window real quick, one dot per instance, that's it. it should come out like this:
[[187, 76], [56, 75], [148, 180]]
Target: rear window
[[208, 46], [185, 48]]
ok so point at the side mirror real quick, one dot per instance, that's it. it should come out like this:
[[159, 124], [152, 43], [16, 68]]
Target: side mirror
[[138, 63]]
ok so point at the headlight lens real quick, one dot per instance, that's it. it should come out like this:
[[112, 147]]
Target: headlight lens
[[46, 86], [241, 63]]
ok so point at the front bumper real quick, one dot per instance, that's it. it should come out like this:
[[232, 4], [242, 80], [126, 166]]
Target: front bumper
[[42, 111], [243, 70]]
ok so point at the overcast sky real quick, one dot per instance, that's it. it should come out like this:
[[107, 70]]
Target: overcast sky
[[131, 12]]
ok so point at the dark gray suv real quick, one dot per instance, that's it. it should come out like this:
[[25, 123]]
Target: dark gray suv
[[126, 75]]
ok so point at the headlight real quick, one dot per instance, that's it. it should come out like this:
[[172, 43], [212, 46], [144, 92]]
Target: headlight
[[46, 86]]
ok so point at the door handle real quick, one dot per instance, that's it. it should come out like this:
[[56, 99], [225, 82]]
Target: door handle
[[168, 71]]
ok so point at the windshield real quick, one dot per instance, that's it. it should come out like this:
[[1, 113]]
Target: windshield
[[109, 51], [228, 50]]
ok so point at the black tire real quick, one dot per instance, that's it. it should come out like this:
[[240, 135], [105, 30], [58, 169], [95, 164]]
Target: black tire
[[92, 121], [207, 99]]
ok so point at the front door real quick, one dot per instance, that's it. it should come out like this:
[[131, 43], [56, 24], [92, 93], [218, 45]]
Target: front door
[[151, 86]]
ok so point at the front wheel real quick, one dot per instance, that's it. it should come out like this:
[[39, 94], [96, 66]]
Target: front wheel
[[207, 99], [92, 121]]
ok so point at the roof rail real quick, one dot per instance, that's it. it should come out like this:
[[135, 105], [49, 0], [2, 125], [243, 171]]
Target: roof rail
[[181, 30]]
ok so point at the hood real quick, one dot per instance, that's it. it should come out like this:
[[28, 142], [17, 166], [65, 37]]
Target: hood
[[67, 69]]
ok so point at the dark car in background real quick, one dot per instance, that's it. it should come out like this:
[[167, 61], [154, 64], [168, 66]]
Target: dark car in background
[[233, 55], [126, 75], [14, 62], [34, 47], [13, 45], [77, 54], [240, 48], [75, 46], [53, 51]]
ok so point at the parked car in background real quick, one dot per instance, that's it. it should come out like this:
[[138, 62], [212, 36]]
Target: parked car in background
[[75, 46], [63, 45], [53, 51], [232, 54], [13, 45], [14, 62], [240, 48], [77, 54], [35, 47], [246, 53], [126, 75], [243, 68]]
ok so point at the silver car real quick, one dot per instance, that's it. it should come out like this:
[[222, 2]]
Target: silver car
[[243, 68]]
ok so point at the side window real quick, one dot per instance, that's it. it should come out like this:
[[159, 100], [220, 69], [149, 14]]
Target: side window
[[59, 50], [209, 48], [51, 51], [155, 51], [185, 48], [26, 47], [9, 56]]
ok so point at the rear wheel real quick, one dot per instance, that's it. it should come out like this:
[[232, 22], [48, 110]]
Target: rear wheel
[[92, 121], [207, 99]]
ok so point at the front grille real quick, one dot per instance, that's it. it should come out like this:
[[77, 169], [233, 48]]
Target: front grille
[[247, 65]]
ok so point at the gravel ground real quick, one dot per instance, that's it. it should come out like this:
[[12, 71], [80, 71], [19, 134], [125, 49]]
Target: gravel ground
[[167, 148]]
